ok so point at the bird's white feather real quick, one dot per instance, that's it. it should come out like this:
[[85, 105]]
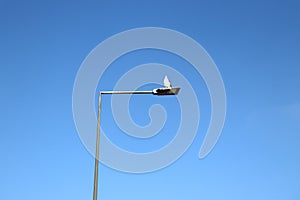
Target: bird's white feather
[[167, 83]]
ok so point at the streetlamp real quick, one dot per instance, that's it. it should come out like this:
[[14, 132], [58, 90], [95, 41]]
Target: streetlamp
[[167, 90]]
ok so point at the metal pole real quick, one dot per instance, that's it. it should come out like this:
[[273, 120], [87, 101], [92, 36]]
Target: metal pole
[[97, 149], [126, 92], [95, 193]]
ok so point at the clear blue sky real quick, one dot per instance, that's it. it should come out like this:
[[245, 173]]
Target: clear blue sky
[[255, 45]]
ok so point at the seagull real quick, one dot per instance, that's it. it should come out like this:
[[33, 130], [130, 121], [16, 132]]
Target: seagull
[[167, 83]]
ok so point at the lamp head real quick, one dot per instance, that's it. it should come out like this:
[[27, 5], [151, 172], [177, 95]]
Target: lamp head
[[165, 91]]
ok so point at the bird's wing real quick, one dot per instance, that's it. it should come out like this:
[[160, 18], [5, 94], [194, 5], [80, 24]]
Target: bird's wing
[[167, 82]]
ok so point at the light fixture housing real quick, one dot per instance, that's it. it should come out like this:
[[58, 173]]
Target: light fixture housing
[[165, 91]]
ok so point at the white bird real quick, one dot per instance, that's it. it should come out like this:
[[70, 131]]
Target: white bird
[[167, 83]]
